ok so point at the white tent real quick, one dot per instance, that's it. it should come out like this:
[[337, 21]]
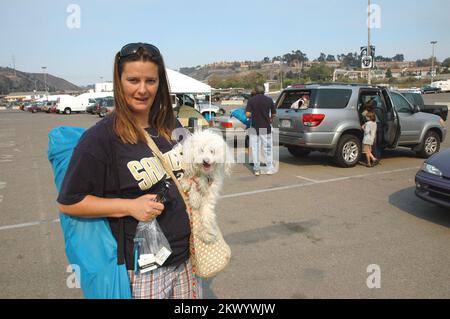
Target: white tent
[[180, 83]]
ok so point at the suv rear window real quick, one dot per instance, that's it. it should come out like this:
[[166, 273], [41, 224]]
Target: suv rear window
[[290, 97], [332, 98]]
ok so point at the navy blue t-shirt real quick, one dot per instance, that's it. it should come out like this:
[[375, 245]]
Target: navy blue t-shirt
[[261, 107], [91, 172]]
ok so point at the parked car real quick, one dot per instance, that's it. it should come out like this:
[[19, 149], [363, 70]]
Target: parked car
[[104, 106], [92, 106], [24, 106], [413, 90], [417, 100], [331, 122], [433, 179], [206, 109], [203, 107], [430, 89], [35, 107], [233, 127], [48, 106], [235, 99]]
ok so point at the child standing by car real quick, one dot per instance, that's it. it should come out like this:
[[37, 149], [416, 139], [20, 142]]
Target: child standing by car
[[370, 131]]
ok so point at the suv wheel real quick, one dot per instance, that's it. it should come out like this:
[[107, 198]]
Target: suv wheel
[[430, 145], [298, 151], [348, 151], [67, 111]]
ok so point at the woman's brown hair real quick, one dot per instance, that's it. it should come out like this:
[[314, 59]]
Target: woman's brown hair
[[161, 116]]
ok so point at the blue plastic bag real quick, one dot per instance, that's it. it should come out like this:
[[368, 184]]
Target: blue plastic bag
[[240, 115], [90, 244]]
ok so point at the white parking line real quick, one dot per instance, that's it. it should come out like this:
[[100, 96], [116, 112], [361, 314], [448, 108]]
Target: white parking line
[[332, 180], [6, 158], [28, 224], [307, 179], [2, 185], [312, 182], [7, 144]]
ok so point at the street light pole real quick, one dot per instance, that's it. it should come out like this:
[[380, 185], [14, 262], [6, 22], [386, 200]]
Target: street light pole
[[281, 74], [44, 69], [432, 60]]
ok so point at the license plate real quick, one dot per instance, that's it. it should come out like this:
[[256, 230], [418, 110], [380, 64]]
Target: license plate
[[285, 123]]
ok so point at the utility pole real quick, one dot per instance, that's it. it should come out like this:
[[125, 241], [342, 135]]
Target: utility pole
[[432, 60], [281, 74], [14, 65], [369, 50], [44, 69]]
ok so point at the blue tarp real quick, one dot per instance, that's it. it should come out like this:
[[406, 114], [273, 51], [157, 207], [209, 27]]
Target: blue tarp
[[90, 245], [240, 115]]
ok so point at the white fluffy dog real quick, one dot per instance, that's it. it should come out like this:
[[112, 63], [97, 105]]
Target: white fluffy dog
[[205, 161]]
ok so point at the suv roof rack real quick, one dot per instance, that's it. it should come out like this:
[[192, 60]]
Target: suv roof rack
[[293, 86]]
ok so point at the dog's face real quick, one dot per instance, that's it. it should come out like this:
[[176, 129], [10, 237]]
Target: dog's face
[[206, 153]]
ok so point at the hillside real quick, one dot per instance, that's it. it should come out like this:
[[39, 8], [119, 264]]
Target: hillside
[[18, 81]]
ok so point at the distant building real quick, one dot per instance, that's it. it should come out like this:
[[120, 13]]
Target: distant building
[[104, 87], [394, 65], [24, 96]]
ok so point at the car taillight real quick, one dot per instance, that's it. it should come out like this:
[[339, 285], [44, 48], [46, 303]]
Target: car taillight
[[226, 124], [312, 120]]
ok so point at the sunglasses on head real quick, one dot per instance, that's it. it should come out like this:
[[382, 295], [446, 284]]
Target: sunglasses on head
[[132, 48]]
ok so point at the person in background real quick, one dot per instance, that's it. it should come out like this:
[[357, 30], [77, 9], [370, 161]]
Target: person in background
[[261, 110], [371, 106], [370, 130]]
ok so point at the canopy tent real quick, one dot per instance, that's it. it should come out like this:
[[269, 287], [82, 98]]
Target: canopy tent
[[180, 83], [183, 84]]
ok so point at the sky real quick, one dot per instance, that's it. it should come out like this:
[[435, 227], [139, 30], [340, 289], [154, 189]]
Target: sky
[[77, 39]]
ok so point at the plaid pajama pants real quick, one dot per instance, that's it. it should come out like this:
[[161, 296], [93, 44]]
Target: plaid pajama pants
[[167, 283]]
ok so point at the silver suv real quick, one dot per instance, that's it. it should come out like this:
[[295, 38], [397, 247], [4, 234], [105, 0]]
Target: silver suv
[[327, 117]]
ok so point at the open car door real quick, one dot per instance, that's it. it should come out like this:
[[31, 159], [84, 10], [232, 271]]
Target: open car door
[[392, 122]]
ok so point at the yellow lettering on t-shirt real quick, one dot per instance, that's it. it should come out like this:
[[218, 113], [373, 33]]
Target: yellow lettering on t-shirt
[[140, 175], [153, 168]]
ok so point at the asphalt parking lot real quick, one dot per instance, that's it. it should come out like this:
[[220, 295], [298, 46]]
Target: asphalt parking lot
[[313, 230]]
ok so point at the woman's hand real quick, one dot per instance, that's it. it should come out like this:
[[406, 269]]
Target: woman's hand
[[145, 208]]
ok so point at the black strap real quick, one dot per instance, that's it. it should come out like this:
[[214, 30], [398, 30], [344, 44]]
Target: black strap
[[121, 237]]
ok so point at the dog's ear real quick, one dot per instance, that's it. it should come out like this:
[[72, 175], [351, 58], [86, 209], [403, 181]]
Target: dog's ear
[[188, 156]]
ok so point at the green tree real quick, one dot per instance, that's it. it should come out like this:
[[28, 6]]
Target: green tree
[[389, 73], [398, 58], [322, 57], [446, 63], [320, 72], [351, 60]]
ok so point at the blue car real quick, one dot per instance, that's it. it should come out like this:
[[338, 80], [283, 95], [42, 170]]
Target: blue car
[[433, 179]]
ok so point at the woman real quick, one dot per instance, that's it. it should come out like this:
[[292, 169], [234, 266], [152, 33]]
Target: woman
[[114, 174]]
